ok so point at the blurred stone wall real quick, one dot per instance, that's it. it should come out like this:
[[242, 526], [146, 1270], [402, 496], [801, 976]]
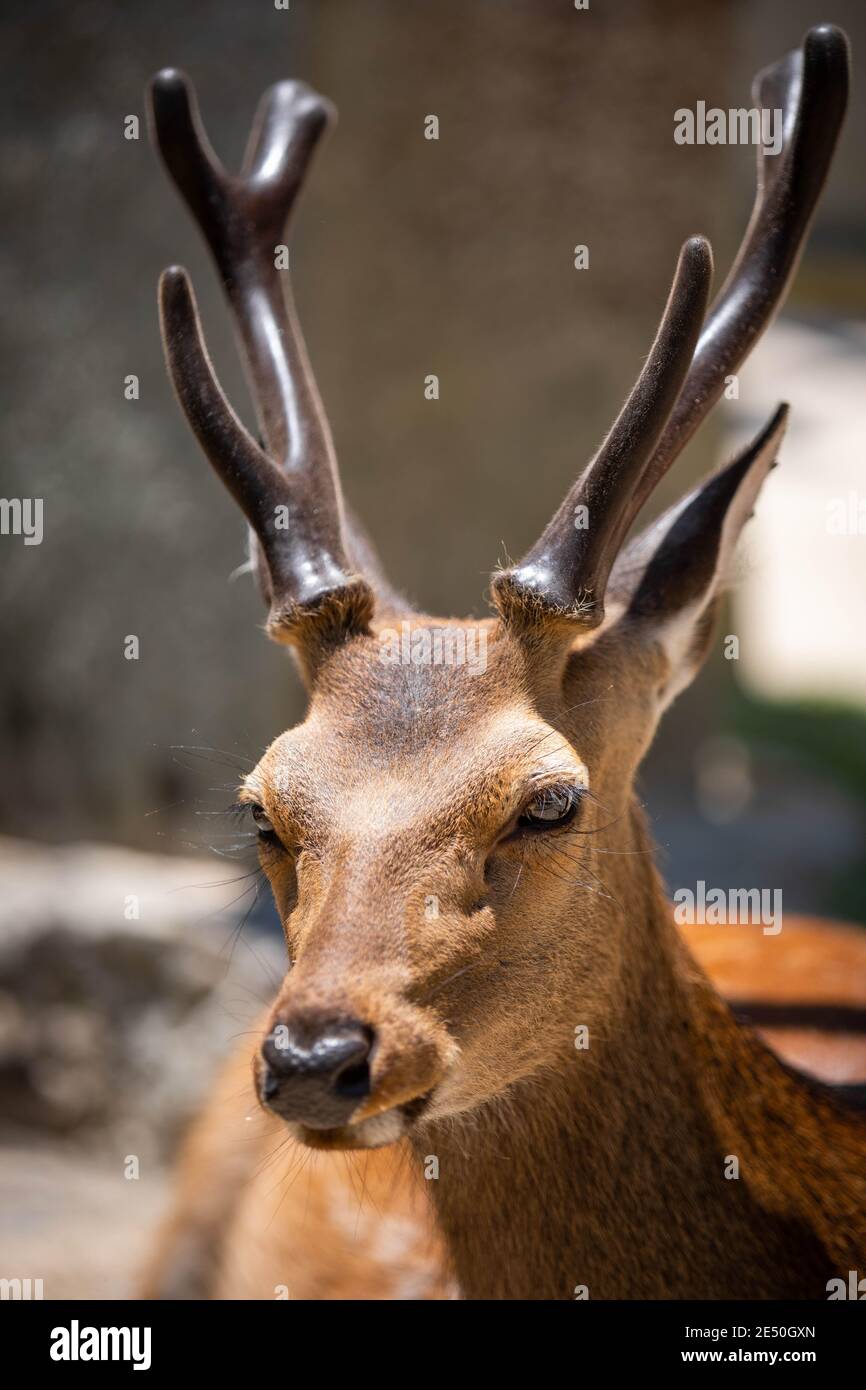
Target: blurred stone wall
[[124, 978], [412, 257]]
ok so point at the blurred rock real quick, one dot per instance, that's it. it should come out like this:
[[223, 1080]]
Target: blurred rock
[[123, 979]]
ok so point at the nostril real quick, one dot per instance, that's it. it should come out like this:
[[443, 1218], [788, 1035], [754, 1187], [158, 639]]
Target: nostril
[[352, 1082], [317, 1074], [351, 1076]]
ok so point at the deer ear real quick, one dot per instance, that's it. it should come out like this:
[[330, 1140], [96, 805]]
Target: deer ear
[[666, 582]]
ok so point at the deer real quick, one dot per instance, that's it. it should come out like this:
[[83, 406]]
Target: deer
[[459, 859]]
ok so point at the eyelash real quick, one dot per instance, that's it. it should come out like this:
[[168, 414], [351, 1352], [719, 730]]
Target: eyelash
[[523, 826], [549, 795], [247, 809]]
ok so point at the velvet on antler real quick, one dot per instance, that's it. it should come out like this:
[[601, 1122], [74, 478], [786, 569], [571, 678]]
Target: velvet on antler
[[564, 575], [287, 486]]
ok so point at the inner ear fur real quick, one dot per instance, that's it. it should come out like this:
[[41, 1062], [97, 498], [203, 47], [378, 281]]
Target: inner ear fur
[[668, 580], [683, 558]]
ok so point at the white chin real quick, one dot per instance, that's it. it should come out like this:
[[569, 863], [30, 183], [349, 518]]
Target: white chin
[[372, 1133], [380, 1129]]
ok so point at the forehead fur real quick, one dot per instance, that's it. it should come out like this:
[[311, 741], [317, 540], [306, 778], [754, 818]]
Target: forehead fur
[[441, 733], [394, 704]]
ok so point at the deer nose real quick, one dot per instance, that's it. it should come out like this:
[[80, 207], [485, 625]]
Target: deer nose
[[316, 1076]]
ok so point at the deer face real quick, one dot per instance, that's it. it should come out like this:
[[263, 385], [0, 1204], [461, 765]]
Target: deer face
[[444, 850], [442, 838], [425, 840]]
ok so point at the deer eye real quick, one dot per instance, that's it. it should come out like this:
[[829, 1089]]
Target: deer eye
[[554, 806], [261, 820]]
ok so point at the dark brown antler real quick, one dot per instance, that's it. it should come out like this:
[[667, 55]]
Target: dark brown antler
[[288, 487], [810, 87], [566, 572]]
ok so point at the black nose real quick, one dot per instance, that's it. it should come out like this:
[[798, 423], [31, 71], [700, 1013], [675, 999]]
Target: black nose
[[317, 1074]]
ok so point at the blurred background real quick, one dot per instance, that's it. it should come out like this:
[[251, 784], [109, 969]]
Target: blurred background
[[134, 943]]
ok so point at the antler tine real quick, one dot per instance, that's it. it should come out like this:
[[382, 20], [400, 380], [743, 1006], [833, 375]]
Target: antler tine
[[288, 123], [252, 479], [243, 220], [810, 87], [565, 573], [188, 156], [299, 559]]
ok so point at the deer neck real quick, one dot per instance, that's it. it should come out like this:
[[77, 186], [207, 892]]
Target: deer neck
[[610, 1174]]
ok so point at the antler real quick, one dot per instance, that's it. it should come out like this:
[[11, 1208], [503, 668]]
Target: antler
[[566, 572], [288, 487], [810, 87]]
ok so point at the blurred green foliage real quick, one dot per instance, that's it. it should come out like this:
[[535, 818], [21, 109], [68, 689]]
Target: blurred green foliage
[[830, 739]]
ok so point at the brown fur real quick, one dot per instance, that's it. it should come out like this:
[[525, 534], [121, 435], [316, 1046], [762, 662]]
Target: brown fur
[[558, 1168]]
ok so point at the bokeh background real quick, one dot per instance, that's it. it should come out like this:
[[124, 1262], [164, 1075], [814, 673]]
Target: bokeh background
[[134, 943]]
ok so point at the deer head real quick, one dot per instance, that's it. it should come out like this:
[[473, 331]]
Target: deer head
[[450, 842]]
